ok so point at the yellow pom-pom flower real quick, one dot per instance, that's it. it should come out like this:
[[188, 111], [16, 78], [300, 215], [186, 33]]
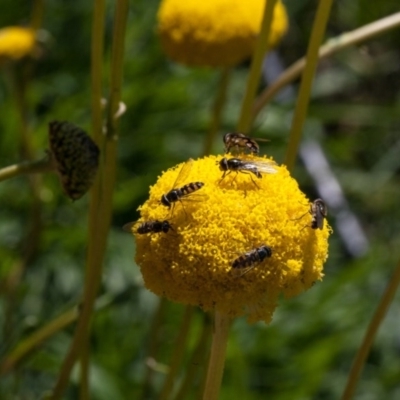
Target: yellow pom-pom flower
[[220, 225], [215, 32], [16, 42]]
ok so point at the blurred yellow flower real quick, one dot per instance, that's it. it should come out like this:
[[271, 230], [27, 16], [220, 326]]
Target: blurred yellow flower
[[192, 262], [16, 42], [215, 32]]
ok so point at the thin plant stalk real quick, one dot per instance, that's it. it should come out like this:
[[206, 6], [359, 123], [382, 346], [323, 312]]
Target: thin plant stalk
[[153, 345], [217, 109], [217, 356], [19, 84], [36, 339], [37, 14], [97, 55], [196, 360], [100, 201], [26, 167], [376, 321], [27, 346], [244, 123], [19, 87], [178, 353], [332, 46], [84, 361], [300, 113]]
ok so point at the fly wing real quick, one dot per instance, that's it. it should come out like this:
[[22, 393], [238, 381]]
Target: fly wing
[[238, 272], [183, 174], [194, 196], [266, 167], [261, 139], [128, 227]]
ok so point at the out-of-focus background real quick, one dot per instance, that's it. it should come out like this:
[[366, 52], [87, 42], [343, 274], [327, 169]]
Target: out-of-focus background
[[350, 156]]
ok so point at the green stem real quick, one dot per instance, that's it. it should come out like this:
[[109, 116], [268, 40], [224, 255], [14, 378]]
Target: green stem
[[36, 339], [11, 361], [117, 60], [84, 390], [369, 337], [196, 360], [97, 55], [178, 352], [153, 346], [26, 167], [97, 50], [100, 201], [217, 109], [217, 357], [303, 99], [245, 119], [20, 85], [333, 45], [37, 14]]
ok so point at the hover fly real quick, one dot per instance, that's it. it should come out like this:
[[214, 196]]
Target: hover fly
[[152, 226], [239, 140], [246, 166], [251, 258], [318, 211], [180, 193]]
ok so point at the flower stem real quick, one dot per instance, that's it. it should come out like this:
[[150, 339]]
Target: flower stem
[[196, 360], [36, 339], [376, 321], [100, 199], [37, 14], [303, 99], [332, 46], [178, 353], [253, 80], [97, 54], [84, 389], [153, 344], [26, 167], [217, 357], [217, 109], [20, 90]]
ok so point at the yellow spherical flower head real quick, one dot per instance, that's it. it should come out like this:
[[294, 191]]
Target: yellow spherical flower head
[[215, 33], [16, 42], [220, 225]]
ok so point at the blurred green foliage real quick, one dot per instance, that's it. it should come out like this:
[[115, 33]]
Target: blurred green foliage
[[307, 351]]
